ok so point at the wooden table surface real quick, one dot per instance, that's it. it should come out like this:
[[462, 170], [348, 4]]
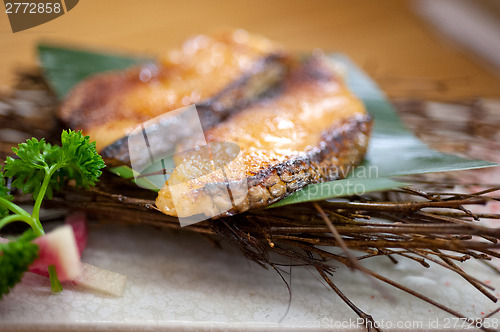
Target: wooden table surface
[[397, 48]]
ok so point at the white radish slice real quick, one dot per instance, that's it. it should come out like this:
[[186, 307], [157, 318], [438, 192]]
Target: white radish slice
[[99, 280]]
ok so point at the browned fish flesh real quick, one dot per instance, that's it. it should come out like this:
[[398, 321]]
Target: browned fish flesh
[[219, 73], [313, 130]]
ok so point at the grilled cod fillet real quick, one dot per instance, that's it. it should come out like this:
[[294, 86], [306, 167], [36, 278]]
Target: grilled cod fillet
[[312, 131], [219, 73]]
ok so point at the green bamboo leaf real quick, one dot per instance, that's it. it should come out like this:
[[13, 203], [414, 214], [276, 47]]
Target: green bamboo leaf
[[393, 150], [65, 67], [339, 188], [123, 171]]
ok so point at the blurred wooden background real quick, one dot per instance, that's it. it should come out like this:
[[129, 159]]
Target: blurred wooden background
[[402, 52]]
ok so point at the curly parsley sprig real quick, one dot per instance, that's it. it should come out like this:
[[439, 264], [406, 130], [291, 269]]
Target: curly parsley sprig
[[15, 258], [41, 169]]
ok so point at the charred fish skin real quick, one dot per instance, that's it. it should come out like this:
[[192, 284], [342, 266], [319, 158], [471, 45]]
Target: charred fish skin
[[218, 72], [315, 130], [261, 81], [340, 150]]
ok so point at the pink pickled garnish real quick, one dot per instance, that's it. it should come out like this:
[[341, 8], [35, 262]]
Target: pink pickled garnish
[[78, 221]]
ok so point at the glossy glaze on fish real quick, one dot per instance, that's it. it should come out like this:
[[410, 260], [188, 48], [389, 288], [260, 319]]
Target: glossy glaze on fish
[[219, 73], [314, 130]]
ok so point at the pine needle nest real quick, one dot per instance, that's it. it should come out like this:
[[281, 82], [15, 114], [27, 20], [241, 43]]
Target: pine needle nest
[[427, 222]]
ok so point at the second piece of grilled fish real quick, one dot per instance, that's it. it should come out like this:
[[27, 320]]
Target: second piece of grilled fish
[[314, 130]]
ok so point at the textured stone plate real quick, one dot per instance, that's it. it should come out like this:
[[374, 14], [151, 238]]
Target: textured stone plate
[[178, 281]]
